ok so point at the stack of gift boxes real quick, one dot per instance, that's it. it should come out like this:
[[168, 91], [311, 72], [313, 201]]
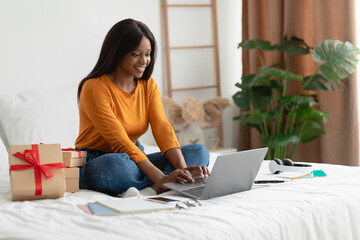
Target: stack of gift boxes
[[41, 171], [72, 161]]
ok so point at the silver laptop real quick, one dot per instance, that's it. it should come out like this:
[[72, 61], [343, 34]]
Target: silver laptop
[[232, 173]]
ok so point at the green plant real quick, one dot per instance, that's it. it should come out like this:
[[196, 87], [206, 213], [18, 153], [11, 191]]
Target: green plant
[[284, 120]]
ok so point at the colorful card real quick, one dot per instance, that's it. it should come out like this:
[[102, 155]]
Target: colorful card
[[315, 173]]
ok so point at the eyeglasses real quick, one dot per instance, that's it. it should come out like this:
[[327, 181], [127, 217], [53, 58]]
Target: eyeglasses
[[188, 204]]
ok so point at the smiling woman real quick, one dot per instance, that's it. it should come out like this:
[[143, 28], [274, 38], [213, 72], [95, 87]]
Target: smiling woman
[[121, 52], [117, 101], [132, 67]]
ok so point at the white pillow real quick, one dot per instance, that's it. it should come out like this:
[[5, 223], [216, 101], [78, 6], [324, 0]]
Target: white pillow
[[4, 163], [49, 116]]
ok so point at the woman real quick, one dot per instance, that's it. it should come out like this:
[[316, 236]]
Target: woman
[[117, 101]]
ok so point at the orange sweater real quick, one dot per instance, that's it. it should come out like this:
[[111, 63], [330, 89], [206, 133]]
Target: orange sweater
[[111, 120]]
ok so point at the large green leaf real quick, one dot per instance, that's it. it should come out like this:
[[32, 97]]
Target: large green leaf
[[269, 115], [256, 44], [280, 140], [247, 79], [310, 131], [242, 99], [252, 122], [255, 90], [277, 85], [319, 82], [250, 80], [260, 80], [338, 58], [261, 96], [311, 114], [296, 100], [279, 73], [256, 117], [294, 46]]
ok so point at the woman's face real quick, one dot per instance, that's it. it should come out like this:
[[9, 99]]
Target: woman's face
[[135, 62]]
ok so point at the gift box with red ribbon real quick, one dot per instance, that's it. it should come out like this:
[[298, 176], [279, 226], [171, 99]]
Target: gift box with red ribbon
[[73, 158], [36, 171]]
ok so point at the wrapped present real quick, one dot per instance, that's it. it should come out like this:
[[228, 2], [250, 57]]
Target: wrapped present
[[74, 162], [73, 153], [73, 158], [72, 179], [36, 171]]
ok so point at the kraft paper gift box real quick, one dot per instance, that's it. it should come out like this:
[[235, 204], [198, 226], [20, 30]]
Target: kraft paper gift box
[[73, 158], [72, 179], [74, 162], [36, 171]]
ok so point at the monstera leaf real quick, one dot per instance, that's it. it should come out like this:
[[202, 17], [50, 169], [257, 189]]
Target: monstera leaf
[[279, 73], [294, 46], [319, 82], [280, 140], [339, 59], [256, 44]]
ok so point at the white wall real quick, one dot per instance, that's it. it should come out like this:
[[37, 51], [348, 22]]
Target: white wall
[[357, 19], [46, 44], [52, 43], [229, 31]]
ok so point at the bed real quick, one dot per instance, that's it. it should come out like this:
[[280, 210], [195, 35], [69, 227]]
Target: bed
[[310, 208]]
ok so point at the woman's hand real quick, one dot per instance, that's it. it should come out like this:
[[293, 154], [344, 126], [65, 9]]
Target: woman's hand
[[198, 171], [187, 174], [178, 175]]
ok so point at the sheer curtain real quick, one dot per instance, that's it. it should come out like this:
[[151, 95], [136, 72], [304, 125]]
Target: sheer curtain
[[314, 21]]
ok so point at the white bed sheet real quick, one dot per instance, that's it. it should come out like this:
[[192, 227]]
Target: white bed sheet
[[316, 208]]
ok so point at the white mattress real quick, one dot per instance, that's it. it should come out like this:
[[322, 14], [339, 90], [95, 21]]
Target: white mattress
[[316, 208]]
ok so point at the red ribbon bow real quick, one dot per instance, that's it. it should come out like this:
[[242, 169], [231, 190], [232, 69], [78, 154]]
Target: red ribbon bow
[[35, 163]]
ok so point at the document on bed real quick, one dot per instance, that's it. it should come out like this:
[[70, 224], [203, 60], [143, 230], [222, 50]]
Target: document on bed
[[134, 205], [97, 209]]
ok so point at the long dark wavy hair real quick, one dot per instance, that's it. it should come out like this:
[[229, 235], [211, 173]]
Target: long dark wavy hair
[[123, 38]]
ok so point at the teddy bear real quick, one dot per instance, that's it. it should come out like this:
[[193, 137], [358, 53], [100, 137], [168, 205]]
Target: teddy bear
[[192, 116]]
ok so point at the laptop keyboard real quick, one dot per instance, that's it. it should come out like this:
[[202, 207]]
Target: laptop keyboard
[[196, 188], [196, 192]]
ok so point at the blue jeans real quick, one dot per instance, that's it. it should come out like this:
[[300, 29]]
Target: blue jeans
[[114, 173]]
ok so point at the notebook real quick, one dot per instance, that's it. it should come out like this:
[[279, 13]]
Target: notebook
[[232, 173], [134, 205], [97, 209]]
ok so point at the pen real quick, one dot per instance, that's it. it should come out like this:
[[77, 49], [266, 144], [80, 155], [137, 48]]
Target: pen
[[300, 176], [269, 181]]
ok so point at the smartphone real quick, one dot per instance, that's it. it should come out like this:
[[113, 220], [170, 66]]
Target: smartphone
[[162, 199]]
